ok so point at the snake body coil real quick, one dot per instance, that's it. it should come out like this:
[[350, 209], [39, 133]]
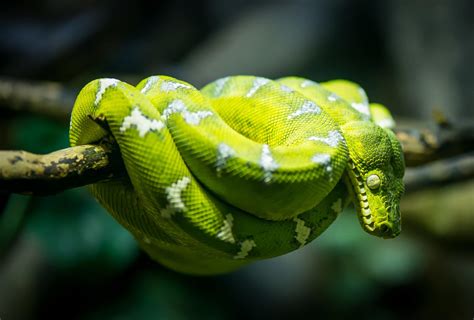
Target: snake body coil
[[246, 168]]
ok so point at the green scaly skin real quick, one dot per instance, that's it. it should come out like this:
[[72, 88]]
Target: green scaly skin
[[245, 169]]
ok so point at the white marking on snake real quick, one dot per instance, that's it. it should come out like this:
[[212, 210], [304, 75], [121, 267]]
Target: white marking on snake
[[363, 94], [333, 97], [173, 195], [220, 86], [337, 205], [195, 118], [307, 107], [267, 163], [167, 86], [286, 89], [245, 247], [224, 152], [332, 140], [178, 106], [302, 231], [308, 83], [324, 159], [104, 84], [386, 123], [141, 123], [257, 83], [361, 107], [149, 83], [225, 233]]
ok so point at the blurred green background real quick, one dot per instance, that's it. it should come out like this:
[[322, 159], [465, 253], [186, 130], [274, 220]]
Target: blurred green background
[[64, 257]]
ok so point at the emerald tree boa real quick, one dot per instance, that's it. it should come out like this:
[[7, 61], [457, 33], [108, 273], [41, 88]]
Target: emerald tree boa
[[244, 169]]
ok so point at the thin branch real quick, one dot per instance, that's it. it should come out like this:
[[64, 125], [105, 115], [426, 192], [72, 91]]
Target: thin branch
[[424, 146], [440, 172], [48, 99]]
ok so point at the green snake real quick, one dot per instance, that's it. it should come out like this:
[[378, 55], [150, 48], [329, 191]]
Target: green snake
[[244, 169]]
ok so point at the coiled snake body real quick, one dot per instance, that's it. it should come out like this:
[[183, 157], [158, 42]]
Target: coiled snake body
[[246, 168]]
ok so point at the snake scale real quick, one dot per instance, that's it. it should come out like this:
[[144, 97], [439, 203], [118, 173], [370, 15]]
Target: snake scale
[[244, 169]]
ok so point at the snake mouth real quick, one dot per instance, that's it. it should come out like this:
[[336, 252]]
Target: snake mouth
[[362, 203]]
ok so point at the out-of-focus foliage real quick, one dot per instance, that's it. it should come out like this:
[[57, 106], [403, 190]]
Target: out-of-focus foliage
[[70, 259]]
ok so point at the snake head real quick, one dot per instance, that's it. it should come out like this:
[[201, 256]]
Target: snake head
[[375, 177]]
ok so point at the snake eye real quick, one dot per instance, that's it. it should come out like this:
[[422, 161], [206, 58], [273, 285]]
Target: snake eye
[[373, 181]]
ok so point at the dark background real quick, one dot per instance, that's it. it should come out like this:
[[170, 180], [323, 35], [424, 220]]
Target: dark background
[[72, 261]]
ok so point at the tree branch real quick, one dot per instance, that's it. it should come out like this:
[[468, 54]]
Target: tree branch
[[49, 99], [446, 140], [440, 172], [23, 172], [28, 173]]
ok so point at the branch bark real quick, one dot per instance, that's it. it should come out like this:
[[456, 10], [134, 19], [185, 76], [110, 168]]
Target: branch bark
[[27, 173]]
